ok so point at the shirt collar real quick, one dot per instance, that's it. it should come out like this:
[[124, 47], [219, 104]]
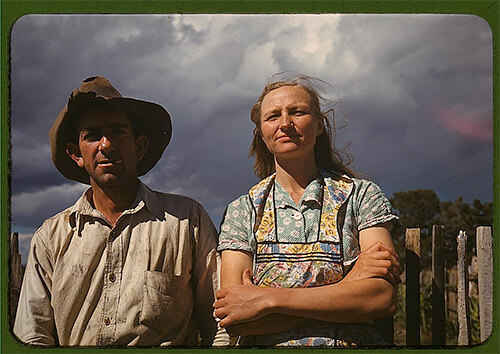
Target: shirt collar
[[149, 198], [312, 193], [145, 198]]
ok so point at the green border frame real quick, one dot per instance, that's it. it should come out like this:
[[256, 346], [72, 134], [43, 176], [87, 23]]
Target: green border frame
[[11, 10]]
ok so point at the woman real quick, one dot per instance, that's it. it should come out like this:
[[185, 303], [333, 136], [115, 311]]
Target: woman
[[307, 255]]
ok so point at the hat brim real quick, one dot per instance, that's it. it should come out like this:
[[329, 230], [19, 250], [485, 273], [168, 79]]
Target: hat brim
[[155, 121]]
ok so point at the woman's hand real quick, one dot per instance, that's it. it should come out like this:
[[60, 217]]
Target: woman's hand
[[241, 303], [377, 261]]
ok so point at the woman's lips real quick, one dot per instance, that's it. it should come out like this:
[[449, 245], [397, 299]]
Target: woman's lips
[[287, 137]]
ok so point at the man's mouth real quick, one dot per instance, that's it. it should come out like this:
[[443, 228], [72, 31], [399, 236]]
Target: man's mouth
[[109, 163]]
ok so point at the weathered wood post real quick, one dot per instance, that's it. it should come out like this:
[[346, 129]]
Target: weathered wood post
[[464, 332], [484, 244], [438, 303], [412, 245], [16, 276]]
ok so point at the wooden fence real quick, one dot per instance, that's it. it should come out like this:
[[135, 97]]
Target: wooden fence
[[442, 299], [16, 275], [412, 283]]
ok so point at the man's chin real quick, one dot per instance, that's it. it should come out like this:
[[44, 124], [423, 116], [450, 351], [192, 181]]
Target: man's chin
[[109, 180]]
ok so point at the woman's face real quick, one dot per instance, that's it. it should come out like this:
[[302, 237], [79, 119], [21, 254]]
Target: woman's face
[[288, 125]]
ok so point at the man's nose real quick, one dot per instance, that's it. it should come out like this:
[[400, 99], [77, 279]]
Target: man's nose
[[105, 144]]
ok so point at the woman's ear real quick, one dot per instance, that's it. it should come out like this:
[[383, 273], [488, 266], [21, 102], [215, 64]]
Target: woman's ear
[[141, 145], [74, 152], [320, 127]]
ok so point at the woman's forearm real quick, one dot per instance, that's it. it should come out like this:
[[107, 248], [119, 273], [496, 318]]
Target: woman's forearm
[[288, 308], [367, 292], [353, 301], [345, 301]]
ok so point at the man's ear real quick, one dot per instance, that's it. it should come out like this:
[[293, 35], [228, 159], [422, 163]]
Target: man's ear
[[141, 145], [74, 152]]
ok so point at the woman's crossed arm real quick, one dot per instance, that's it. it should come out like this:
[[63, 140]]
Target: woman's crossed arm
[[368, 291]]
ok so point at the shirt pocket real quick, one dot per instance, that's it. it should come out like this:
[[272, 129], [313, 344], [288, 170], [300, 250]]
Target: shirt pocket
[[166, 301]]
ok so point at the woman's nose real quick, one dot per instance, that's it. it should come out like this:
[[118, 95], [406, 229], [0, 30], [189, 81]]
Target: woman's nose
[[286, 121]]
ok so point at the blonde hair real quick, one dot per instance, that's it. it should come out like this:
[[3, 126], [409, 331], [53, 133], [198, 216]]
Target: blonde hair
[[326, 156]]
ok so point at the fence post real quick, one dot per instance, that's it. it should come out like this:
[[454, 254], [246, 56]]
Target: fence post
[[462, 290], [438, 303], [484, 244], [412, 245], [16, 276]]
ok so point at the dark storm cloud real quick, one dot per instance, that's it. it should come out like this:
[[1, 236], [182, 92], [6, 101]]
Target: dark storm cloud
[[29, 209], [405, 71], [411, 89]]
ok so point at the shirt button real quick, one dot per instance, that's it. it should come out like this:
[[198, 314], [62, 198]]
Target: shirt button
[[112, 277], [107, 321], [297, 216]]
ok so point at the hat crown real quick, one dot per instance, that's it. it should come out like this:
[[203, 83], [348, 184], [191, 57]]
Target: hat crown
[[98, 84]]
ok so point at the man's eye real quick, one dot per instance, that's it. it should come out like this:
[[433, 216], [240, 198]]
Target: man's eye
[[91, 137]]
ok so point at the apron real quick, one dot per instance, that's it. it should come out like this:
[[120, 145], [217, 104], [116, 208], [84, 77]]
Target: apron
[[282, 264]]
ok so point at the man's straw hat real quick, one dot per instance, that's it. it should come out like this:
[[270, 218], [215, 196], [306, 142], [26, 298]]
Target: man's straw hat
[[153, 118]]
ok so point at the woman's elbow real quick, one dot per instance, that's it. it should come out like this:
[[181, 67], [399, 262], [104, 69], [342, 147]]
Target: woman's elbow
[[391, 308], [387, 297]]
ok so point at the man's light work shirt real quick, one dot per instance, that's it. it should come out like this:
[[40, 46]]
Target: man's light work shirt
[[149, 280]]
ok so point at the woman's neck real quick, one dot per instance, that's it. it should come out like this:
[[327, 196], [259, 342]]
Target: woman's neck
[[294, 176]]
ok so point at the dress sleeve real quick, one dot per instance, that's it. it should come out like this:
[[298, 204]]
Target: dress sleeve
[[373, 207], [34, 323], [236, 226]]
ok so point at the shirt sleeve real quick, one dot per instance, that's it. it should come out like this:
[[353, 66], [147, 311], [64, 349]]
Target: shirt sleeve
[[34, 323], [207, 270], [373, 207], [236, 226]]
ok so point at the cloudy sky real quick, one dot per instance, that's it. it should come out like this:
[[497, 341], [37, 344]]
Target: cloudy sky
[[413, 93]]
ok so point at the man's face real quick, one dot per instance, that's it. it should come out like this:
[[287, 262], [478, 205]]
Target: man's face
[[107, 148]]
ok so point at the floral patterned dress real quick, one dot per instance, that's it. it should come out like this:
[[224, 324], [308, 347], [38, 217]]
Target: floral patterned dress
[[304, 248]]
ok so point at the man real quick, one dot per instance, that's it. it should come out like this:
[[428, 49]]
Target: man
[[124, 265]]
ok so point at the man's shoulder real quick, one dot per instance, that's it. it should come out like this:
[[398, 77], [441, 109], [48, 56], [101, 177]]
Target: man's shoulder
[[172, 203], [57, 225], [175, 197], [166, 197]]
